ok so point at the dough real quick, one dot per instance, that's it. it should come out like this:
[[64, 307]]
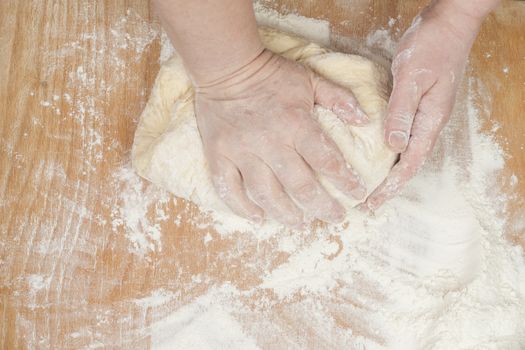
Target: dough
[[168, 151]]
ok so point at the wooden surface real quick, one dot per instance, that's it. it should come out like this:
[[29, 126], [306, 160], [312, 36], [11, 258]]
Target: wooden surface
[[74, 76]]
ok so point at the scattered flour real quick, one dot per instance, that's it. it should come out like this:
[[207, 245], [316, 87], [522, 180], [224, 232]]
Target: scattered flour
[[37, 282], [204, 324], [312, 29], [136, 202], [158, 297], [381, 38], [430, 270]]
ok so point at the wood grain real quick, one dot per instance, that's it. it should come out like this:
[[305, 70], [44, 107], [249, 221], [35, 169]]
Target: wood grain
[[74, 76]]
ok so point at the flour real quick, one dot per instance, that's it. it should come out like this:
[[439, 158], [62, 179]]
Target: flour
[[136, 200], [312, 29], [37, 282], [204, 324], [431, 269], [158, 297], [381, 38], [85, 101]]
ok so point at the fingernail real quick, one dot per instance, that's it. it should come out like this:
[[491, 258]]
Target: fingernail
[[358, 193], [398, 140]]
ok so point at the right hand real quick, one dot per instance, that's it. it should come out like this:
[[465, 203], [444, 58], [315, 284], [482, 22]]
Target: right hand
[[264, 147]]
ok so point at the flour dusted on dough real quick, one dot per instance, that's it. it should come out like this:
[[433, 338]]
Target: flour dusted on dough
[[168, 151]]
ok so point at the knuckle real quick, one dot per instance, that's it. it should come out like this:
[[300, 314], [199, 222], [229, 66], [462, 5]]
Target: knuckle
[[413, 168], [330, 163], [260, 196], [217, 143], [405, 90], [291, 219], [429, 124], [401, 119], [305, 191], [412, 165], [248, 138], [420, 73], [400, 60], [262, 142]]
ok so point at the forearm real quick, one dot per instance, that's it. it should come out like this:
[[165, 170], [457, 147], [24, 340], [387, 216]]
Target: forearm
[[214, 38], [477, 10], [464, 17]]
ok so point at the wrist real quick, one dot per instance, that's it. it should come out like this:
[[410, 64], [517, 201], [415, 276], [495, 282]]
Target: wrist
[[472, 11], [218, 71], [213, 38], [479, 9], [460, 18], [241, 79]]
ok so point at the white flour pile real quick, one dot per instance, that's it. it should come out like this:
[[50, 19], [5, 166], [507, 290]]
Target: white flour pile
[[431, 270]]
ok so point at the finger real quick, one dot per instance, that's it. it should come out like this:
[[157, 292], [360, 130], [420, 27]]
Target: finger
[[323, 156], [409, 163], [300, 183], [410, 85], [339, 100], [401, 110], [228, 184], [265, 190], [425, 133]]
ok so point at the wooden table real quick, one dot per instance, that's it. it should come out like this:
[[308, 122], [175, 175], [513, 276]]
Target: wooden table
[[74, 76]]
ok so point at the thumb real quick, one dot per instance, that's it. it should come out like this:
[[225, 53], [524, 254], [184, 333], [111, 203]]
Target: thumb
[[339, 100]]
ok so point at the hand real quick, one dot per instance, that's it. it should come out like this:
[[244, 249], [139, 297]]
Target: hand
[[264, 147], [427, 68]]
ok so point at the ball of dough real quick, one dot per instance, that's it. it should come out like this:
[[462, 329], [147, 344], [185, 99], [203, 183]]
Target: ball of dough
[[168, 151]]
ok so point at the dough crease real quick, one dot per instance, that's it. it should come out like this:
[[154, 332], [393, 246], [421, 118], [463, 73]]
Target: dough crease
[[168, 151]]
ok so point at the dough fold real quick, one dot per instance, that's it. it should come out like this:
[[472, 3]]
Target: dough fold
[[168, 151]]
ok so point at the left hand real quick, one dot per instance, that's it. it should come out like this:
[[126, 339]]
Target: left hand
[[428, 66]]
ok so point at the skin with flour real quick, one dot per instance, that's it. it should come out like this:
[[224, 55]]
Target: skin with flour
[[265, 160], [427, 68]]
